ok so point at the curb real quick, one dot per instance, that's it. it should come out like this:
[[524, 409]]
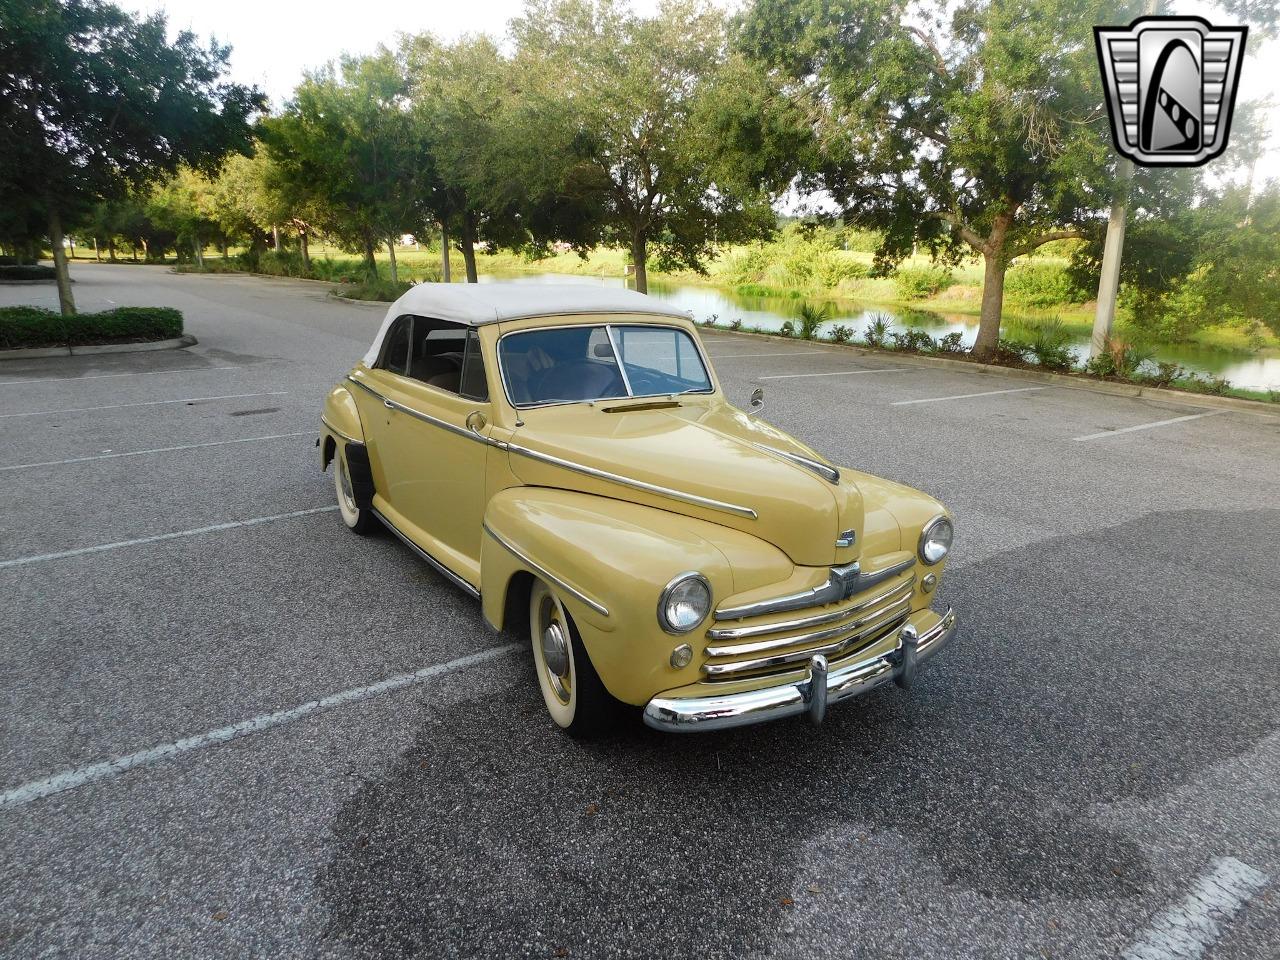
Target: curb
[[89, 349], [363, 303], [1133, 390]]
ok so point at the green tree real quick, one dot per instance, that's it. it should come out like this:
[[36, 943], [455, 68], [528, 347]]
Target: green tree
[[975, 129], [627, 107], [95, 102], [185, 205], [344, 148]]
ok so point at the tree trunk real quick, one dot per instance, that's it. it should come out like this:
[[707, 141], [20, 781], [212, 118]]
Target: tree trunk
[[639, 257], [275, 238], [197, 248], [111, 249], [994, 266], [444, 253], [391, 249], [370, 265], [469, 245], [306, 250], [96, 255], [66, 302]]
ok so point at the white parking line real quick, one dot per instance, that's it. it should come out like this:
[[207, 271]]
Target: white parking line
[[107, 376], [776, 353], [141, 453], [70, 779], [964, 396], [837, 373], [142, 403], [1185, 931], [119, 544], [1149, 426]]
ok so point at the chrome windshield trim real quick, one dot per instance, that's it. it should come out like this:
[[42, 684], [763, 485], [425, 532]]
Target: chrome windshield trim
[[332, 429], [825, 471], [900, 605], [842, 582], [432, 561], [760, 629], [546, 574], [427, 418], [607, 324], [635, 484]]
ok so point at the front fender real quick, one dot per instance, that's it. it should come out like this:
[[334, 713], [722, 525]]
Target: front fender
[[608, 561], [340, 422]]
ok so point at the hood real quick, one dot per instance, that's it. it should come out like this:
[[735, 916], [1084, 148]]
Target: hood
[[700, 458]]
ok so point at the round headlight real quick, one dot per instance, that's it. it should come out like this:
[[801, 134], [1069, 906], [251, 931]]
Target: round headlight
[[685, 603], [935, 540]]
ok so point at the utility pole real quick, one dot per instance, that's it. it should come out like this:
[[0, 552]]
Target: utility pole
[[1104, 316]]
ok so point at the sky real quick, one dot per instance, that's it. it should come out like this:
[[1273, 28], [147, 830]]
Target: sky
[[274, 41]]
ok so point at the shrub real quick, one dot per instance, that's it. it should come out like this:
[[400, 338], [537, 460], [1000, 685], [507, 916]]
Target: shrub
[[1010, 353], [811, 318], [788, 329], [711, 319], [913, 341], [383, 290], [36, 327], [877, 330], [735, 324], [1041, 285], [1121, 359], [841, 334], [1207, 384], [1049, 347], [32, 271], [916, 283], [951, 343], [833, 268], [1165, 374]]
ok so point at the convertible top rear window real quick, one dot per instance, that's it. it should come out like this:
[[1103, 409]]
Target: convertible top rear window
[[581, 363]]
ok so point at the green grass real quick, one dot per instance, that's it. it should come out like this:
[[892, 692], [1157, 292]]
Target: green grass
[[23, 327], [379, 289]]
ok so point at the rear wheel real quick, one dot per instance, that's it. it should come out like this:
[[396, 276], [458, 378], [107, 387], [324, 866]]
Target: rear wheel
[[357, 519], [571, 688]]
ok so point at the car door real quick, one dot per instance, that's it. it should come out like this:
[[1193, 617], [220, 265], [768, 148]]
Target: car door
[[432, 463]]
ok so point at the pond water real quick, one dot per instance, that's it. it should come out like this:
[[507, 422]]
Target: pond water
[[1252, 371]]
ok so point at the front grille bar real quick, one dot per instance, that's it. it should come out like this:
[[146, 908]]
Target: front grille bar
[[788, 626]]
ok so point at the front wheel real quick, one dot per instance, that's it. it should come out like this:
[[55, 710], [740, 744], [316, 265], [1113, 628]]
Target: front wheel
[[571, 688], [358, 519]]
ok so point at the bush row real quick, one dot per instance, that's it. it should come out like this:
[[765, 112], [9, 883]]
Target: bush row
[[22, 327], [25, 271]]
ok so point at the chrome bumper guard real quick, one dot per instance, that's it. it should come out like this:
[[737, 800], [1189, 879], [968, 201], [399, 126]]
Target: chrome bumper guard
[[823, 686]]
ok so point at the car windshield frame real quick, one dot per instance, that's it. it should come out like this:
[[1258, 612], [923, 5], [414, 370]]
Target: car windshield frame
[[609, 327]]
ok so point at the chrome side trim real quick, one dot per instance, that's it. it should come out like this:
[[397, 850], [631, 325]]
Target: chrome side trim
[[427, 418], [877, 622], [721, 711], [842, 582], [436, 564], [332, 429], [546, 574], [826, 472], [802, 623], [635, 484]]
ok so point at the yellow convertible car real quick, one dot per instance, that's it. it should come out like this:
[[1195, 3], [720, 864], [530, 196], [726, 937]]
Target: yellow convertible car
[[565, 454]]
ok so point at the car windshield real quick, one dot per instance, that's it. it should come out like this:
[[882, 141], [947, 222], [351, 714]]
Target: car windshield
[[580, 363]]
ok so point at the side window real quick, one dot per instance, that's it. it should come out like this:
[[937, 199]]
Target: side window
[[474, 385], [437, 353], [395, 347]]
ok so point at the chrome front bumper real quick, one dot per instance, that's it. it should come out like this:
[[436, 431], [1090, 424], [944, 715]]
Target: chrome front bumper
[[812, 695]]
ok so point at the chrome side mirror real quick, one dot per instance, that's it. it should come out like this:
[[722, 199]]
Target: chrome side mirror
[[757, 400], [476, 422]]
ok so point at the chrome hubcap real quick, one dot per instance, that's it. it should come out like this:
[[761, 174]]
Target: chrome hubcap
[[553, 643], [348, 495]]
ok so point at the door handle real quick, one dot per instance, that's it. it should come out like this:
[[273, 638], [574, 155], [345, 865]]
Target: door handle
[[388, 404]]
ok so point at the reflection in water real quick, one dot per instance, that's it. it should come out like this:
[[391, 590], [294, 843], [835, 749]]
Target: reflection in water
[[769, 313]]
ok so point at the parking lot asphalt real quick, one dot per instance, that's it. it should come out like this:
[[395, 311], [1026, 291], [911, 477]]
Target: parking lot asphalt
[[1091, 770]]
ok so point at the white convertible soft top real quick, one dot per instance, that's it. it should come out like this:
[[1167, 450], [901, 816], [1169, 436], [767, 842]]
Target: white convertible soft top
[[476, 304]]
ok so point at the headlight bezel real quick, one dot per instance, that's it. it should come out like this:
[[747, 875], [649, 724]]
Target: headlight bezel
[[925, 537], [665, 597]]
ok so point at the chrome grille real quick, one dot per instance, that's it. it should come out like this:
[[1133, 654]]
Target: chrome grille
[[759, 647]]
